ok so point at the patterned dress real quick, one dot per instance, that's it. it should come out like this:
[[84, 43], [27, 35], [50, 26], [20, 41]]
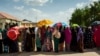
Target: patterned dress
[[88, 39]]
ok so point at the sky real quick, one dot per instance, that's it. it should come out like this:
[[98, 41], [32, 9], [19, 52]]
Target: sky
[[36, 10]]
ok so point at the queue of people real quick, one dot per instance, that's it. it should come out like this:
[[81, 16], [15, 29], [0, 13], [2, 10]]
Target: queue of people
[[48, 39]]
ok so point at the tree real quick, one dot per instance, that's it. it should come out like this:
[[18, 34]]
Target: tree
[[86, 15], [75, 16]]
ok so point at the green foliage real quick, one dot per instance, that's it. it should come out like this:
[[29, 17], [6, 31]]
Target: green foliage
[[87, 15]]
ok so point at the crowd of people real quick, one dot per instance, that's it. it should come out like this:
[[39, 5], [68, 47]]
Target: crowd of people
[[48, 39]]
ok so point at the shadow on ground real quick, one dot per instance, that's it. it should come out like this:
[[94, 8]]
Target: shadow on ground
[[48, 53]]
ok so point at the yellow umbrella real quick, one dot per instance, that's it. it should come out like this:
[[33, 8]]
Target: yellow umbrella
[[47, 22], [39, 24], [44, 22]]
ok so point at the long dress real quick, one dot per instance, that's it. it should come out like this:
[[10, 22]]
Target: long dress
[[88, 38], [80, 40], [13, 46], [42, 35], [61, 41], [73, 45], [5, 41], [32, 35], [56, 44], [47, 45], [56, 36], [24, 39], [28, 43], [38, 43], [68, 38], [48, 40], [97, 36]]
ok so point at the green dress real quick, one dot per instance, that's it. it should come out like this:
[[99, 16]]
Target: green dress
[[56, 44], [38, 41]]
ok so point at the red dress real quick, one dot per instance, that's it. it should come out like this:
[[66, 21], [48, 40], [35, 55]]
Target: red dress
[[97, 36], [43, 35]]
